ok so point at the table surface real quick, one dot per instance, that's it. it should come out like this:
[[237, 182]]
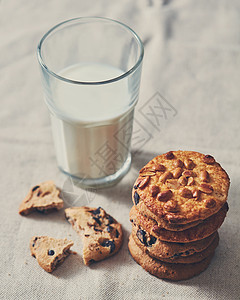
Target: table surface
[[191, 73]]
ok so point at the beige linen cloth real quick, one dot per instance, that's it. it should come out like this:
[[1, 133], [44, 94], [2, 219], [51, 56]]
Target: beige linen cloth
[[191, 75]]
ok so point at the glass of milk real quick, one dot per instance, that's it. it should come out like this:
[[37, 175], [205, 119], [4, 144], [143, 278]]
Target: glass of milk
[[91, 69]]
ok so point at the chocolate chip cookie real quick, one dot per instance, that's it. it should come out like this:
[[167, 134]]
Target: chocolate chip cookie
[[166, 270], [181, 187], [201, 231], [185, 253], [102, 234], [49, 252], [43, 198]]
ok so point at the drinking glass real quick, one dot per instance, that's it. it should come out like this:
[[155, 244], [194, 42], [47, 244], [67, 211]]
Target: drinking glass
[[91, 69]]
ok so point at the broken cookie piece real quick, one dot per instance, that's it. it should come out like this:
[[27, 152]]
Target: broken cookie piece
[[43, 198], [49, 252], [102, 234]]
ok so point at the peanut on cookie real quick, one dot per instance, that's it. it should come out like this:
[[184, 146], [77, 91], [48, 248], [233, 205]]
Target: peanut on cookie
[[180, 187]]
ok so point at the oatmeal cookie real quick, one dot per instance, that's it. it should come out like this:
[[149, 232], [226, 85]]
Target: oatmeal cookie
[[175, 252]]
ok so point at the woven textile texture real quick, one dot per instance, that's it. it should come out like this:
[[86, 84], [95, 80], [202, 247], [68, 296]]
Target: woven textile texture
[[191, 72]]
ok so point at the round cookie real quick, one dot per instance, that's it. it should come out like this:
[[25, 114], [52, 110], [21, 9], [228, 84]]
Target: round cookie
[[161, 222], [166, 270], [182, 186], [201, 231], [179, 257], [162, 249]]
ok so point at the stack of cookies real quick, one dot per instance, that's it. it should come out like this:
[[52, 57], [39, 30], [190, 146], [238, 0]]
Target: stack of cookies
[[179, 204]]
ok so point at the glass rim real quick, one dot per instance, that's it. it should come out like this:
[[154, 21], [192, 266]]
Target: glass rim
[[123, 75]]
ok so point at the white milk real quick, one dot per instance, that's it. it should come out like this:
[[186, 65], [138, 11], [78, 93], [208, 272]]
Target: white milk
[[93, 123]]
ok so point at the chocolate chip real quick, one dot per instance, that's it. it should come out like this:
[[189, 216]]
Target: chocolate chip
[[178, 254], [135, 187], [45, 194], [141, 234], [86, 235], [97, 229], [110, 219], [96, 211], [136, 198], [109, 228], [91, 261], [42, 211], [152, 240], [51, 252], [110, 244], [117, 233], [97, 220], [34, 188], [33, 244], [39, 193]]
